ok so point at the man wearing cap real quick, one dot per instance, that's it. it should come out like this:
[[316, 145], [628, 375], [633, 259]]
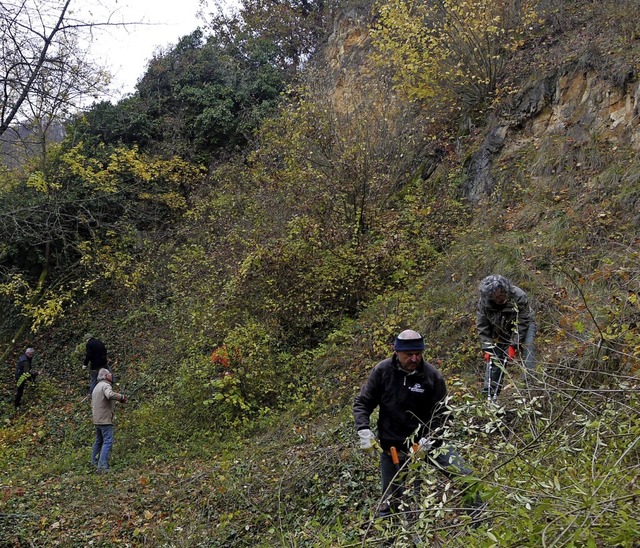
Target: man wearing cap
[[24, 374], [411, 396], [96, 356]]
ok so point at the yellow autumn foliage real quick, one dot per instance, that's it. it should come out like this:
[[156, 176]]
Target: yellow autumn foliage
[[449, 50], [126, 167]]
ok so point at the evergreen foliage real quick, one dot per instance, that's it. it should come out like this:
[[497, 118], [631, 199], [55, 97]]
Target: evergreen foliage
[[199, 100]]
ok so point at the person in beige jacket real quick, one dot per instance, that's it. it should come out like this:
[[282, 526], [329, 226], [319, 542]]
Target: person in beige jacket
[[103, 400]]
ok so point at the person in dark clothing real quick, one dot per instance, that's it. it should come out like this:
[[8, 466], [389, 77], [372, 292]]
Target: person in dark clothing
[[24, 374], [96, 357], [410, 394], [506, 328]]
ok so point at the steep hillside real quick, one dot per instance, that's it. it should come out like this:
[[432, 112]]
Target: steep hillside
[[242, 340]]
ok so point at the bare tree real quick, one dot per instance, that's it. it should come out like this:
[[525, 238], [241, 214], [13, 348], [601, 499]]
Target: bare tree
[[43, 61], [45, 75]]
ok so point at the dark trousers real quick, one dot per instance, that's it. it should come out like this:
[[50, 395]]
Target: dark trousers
[[495, 369], [20, 388], [19, 392], [446, 459]]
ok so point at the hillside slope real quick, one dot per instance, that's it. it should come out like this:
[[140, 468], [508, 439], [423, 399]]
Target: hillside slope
[[544, 188]]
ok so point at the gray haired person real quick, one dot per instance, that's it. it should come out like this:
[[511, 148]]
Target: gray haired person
[[103, 399], [506, 328]]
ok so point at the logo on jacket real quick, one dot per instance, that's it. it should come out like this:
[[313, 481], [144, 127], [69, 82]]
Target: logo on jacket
[[417, 388]]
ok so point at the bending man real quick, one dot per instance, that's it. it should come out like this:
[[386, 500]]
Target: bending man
[[506, 327], [24, 374]]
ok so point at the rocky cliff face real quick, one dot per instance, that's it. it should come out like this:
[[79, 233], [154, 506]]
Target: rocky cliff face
[[585, 98], [572, 103], [343, 62]]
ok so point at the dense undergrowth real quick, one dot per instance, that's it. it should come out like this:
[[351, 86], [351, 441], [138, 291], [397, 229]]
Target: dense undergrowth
[[242, 340], [558, 464]]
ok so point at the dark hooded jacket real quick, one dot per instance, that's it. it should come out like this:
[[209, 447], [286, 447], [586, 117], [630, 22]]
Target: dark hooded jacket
[[504, 324], [23, 366], [96, 354], [409, 402]]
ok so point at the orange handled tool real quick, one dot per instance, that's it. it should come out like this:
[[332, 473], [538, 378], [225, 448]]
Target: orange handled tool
[[394, 456]]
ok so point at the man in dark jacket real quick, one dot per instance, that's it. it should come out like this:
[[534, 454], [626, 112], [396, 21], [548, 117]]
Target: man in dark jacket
[[24, 374], [411, 396], [506, 327], [96, 356]]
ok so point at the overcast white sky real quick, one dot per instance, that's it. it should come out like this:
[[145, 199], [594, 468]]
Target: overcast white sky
[[126, 52]]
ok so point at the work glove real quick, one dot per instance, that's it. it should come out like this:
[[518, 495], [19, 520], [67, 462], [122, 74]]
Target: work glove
[[425, 444], [511, 352], [84, 367], [367, 439], [421, 448]]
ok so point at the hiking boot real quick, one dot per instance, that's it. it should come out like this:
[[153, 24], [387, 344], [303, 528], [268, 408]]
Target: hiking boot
[[384, 511]]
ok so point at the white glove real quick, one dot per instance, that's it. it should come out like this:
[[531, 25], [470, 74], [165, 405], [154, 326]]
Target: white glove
[[366, 439], [422, 447], [84, 367], [425, 444]]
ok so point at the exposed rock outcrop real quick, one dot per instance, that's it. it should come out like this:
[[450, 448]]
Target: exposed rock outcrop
[[578, 104]]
